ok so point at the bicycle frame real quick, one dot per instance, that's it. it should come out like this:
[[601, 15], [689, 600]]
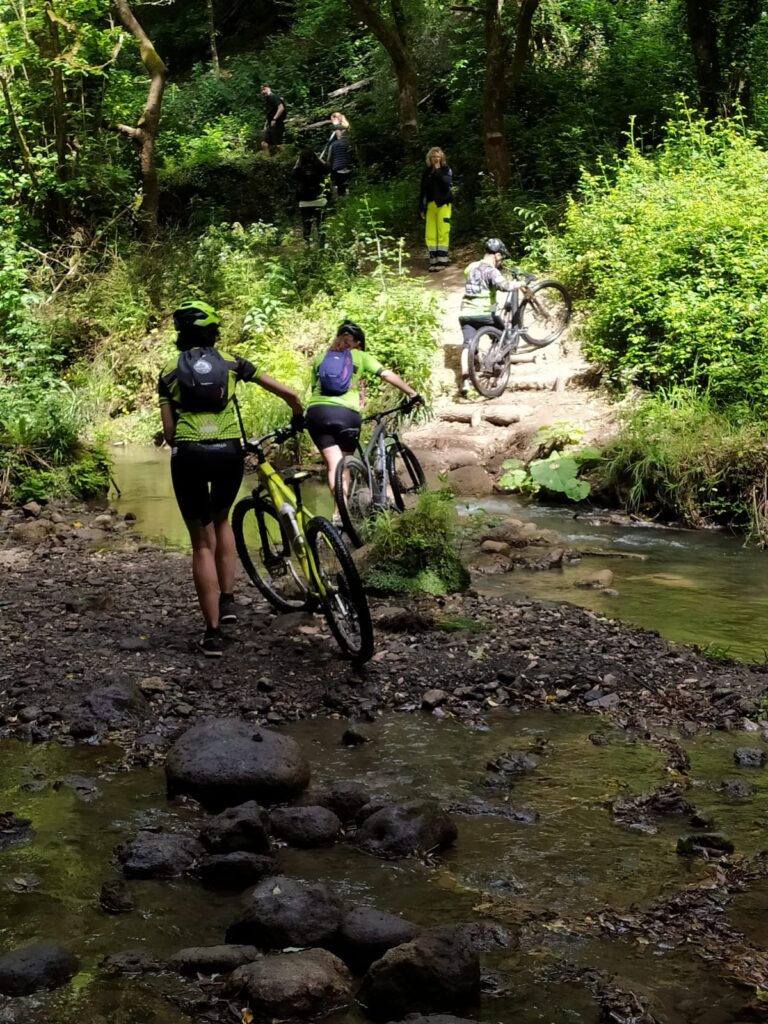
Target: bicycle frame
[[377, 468], [297, 515]]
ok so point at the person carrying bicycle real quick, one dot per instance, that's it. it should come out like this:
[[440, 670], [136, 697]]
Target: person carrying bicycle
[[478, 304], [201, 423], [333, 412]]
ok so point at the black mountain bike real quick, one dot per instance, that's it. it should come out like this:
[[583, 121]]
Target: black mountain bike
[[540, 318], [385, 476], [297, 560]]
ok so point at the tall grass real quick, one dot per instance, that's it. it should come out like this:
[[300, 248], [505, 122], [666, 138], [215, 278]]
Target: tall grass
[[678, 456]]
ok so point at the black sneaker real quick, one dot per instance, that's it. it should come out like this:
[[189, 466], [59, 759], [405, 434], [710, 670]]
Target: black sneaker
[[227, 609], [211, 643]]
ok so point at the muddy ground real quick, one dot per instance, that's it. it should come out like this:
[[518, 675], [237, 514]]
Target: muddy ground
[[98, 631]]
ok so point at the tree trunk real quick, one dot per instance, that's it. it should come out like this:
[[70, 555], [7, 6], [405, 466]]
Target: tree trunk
[[144, 134], [702, 31], [59, 98], [495, 95], [212, 34], [392, 36], [26, 156]]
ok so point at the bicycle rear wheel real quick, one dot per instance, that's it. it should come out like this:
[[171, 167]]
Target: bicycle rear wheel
[[405, 475], [545, 313], [489, 366], [354, 497], [265, 551], [344, 602]]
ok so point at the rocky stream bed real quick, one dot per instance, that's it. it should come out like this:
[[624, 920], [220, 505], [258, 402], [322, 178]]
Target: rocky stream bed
[[567, 826]]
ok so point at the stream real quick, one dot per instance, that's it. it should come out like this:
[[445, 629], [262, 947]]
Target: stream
[[692, 586]]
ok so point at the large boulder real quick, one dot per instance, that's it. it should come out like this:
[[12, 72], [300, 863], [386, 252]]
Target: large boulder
[[236, 871], [438, 970], [32, 968], [344, 798], [238, 828], [158, 855], [366, 934], [305, 826], [280, 912], [400, 830], [310, 983], [226, 762], [211, 959]]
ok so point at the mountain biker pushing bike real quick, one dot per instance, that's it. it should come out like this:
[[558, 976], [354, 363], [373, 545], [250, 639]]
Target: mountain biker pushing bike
[[478, 304], [333, 412], [200, 422]]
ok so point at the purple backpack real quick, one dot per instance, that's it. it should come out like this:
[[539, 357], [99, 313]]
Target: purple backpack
[[334, 374]]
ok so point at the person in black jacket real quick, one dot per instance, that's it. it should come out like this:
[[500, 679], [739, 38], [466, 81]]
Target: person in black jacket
[[435, 207], [274, 120], [339, 154], [310, 174]]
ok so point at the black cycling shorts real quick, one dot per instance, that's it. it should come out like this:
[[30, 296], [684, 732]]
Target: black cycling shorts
[[470, 325], [206, 477], [330, 425], [274, 134]]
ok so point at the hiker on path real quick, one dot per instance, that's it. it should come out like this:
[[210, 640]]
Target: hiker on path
[[274, 123], [435, 207]]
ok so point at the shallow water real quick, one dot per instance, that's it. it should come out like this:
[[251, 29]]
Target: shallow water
[[569, 865], [693, 586]]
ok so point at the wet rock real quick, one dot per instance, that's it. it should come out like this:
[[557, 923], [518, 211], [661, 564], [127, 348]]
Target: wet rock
[[737, 789], [371, 808], [366, 934], [475, 806], [154, 855], [309, 983], [280, 912], [82, 726], [345, 799], [115, 898], [750, 757], [353, 737], [635, 811], [599, 581], [703, 844], [241, 828], [495, 547], [438, 970], [470, 480], [34, 968], [399, 830], [211, 959], [32, 510], [235, 871], [117, 704], [84, 789], [14, 830], [513, 762], [433, 699], [33, 531], [226, 762], [131, 961], [305, 826]]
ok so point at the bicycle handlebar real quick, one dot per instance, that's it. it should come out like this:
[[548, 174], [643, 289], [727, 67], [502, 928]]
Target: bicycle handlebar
[[279, 436], [403, 407]]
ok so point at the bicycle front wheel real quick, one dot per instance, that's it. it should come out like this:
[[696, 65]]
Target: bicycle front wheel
[[405, 475], [344, 602], [544, 313], [354, 497], [489, 365], [265, 551]]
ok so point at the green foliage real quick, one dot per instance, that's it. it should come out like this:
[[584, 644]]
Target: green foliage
[[557, 466], [416, 551], [671, 252], [679, 456]]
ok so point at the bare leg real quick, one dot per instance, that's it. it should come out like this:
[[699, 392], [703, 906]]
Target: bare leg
[[225, 552], [333, 457], [204, 570]]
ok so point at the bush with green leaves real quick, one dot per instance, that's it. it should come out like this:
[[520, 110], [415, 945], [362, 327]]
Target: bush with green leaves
[[670, 253], [678, 456], [417, 551]]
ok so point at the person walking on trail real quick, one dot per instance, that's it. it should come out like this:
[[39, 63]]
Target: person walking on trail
[[274, 123], [338, 123], [435, 199], [339, 154], [201, 423], [483, 279], [311, 175], [333, 416]]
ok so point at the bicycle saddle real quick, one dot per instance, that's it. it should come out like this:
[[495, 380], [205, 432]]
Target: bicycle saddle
[[296, 478]]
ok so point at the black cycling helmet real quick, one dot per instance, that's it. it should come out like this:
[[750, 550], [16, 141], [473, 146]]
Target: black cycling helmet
[[496, 245], [357, 332], [195, 313]]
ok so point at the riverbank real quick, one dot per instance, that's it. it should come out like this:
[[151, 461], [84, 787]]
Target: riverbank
[[98, 630]]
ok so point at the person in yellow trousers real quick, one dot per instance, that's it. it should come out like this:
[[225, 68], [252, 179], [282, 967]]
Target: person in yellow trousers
[[435, 207]]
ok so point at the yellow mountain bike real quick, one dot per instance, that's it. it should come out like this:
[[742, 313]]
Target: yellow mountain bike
[[296, 559]]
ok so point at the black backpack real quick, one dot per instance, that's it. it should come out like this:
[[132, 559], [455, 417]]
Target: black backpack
[[203, 378]]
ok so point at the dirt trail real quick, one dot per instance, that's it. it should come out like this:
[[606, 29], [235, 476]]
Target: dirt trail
[[547, 386]]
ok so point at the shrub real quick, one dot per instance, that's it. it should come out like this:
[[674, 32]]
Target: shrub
[[670, 253], [417, 550]]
